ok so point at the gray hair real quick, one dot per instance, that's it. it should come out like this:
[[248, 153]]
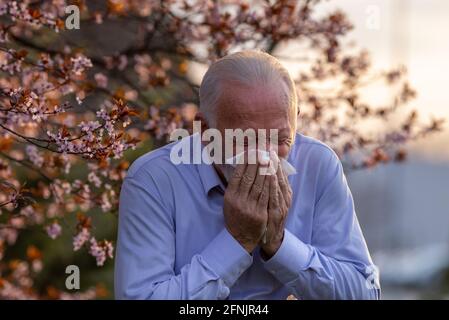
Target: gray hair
[[247, 68]]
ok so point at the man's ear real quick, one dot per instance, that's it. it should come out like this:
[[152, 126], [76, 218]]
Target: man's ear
[[199, 116]]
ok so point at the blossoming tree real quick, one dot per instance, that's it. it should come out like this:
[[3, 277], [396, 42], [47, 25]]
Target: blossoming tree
[[72, 102]]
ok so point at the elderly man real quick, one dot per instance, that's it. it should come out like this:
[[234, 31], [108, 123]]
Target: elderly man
[[209, 231]]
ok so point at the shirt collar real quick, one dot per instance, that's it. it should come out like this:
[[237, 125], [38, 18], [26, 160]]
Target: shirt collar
[[208, 175]]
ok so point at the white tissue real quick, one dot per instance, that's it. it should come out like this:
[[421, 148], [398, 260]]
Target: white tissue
[[264, 156]]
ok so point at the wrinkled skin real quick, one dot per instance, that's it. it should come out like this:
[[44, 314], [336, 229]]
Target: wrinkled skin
[[255, 202]]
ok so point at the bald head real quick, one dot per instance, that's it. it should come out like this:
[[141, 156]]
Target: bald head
[[249, 70], [250, 90]]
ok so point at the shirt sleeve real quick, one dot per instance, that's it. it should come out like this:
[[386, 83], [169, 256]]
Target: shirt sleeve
[[336, 264], [146, 252]]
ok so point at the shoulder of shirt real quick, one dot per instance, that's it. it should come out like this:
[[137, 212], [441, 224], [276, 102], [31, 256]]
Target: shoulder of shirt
[[151, 161], [313, 147]]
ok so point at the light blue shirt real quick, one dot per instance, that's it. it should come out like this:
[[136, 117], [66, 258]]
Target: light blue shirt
[[173, 244]]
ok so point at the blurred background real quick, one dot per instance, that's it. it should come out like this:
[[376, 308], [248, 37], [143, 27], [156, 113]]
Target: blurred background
[[403, 206]]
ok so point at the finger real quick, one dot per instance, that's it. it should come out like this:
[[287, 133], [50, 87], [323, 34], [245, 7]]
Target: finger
[[257, 186], [282, 203], [264, 236], [287, 183], [288, 197], [283, 181], [237, 175], [273, 202], [247, 180], [287, 190], [263, 208], [264, 195]]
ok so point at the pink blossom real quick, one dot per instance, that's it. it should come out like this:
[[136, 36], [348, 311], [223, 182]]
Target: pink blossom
[[53, 230], [101, 250], [80, 239], [101, 79], [105, 203], [93, 178], [34, 155], [80, 63]]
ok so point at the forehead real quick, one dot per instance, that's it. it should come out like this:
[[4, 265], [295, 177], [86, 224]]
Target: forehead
[[256, 107]]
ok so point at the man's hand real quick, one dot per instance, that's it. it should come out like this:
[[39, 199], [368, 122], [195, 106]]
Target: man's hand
[[246, 205], [278, 206]]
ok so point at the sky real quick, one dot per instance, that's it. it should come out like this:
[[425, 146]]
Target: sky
[[414, 33]]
